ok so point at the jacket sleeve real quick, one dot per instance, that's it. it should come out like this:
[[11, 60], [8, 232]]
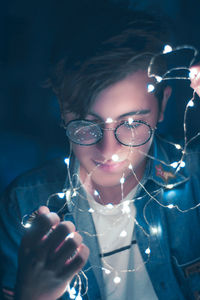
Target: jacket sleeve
[[11, 232]]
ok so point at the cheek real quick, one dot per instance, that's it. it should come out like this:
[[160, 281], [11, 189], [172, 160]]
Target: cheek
[[139, 154], [83, 154], [79, 151]]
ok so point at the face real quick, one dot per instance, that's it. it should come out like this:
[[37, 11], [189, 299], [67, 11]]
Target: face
[[125, 99]]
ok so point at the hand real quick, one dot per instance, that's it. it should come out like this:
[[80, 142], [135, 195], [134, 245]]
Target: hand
[[195, 78], [49, 258]]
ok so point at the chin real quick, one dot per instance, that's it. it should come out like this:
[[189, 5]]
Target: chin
[[108, 179]]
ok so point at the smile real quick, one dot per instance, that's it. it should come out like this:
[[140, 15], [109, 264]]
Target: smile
[[109, 166]]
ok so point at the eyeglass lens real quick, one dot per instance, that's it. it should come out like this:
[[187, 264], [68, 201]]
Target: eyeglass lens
[[85, 132]]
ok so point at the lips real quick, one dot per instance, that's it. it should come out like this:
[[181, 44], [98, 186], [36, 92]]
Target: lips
[[109, 166]]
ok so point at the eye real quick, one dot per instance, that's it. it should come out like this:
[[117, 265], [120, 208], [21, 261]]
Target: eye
[[133, 125]]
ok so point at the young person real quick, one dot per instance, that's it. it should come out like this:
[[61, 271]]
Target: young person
[[136, 215]]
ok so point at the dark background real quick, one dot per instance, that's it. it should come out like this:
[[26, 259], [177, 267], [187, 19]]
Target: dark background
[[33, 35]]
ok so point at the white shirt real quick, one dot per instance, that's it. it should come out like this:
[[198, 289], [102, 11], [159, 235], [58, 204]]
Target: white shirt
[[114, 227]]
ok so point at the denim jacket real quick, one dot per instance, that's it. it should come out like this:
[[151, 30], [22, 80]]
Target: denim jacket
[[168, 202]]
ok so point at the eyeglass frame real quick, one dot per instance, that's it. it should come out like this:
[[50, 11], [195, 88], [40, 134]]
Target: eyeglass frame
[[109, 129]]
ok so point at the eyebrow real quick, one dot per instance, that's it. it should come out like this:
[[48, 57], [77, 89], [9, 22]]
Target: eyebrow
[[130, 113]]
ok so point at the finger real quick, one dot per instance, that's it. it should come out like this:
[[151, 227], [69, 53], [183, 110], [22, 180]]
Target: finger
[[76, 264], [57, 236], [40, 227], [43, 210], [67, 250]]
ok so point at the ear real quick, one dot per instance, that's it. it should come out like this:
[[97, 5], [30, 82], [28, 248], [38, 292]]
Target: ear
[[166, 94]]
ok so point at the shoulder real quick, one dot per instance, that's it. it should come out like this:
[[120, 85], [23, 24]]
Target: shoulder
[[32, 189], [52, 171]]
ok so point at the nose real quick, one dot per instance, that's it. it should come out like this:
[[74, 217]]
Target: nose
[[108, 145]]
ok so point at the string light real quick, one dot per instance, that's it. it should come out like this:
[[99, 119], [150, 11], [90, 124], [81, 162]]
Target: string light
[[109, 206], [117, 280], [182, 164], [107, 271], [193, 73], [130, 121], [167, 49], [148, 251], [125, 205], [74, 193], [130, 167], [154, 230], [96, 193], [150, 88], [109, 120], [158, 78], [123, 233], [66, 160], [72, 292], [170, 206], [125, 208], [27, 225], [61, 195], [169, 186], [122, 180], [174, 164], [190, 103], [115, 157], [178, 146]]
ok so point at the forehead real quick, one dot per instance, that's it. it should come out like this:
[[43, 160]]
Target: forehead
[[129, 94]]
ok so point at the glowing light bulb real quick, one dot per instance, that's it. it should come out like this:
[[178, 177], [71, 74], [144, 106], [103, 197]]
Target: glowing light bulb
[[109, 120], [91, 210], [72, 292], [74, 194], [169, 186], [154, 230], [115, 157], [148, 251], [117, 280], [182, 164], [27, 225], [72, 296], [158, 78], [191, 103], [79, 297], [193, 73], [107, 271], [68, 194], [170, 206], [178, 146], [123, 233], [167, 49], [61, 195], [66, 160], [130, 167], [122, 180], [150, 88], [70, 236], [96, 193], [130, 121], [174, 165], [126, 208], [109, 205]]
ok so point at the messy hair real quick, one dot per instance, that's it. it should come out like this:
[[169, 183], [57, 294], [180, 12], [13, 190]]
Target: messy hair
[[125, 50]]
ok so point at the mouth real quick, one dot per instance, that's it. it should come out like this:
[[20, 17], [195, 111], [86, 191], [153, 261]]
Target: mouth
[[109, 165]]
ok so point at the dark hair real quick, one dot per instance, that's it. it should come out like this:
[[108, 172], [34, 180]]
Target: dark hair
[[135, 37]]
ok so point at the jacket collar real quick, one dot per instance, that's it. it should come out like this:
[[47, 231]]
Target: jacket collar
[[161, 170]]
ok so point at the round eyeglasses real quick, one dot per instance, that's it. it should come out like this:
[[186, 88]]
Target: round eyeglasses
[[86, 133]]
